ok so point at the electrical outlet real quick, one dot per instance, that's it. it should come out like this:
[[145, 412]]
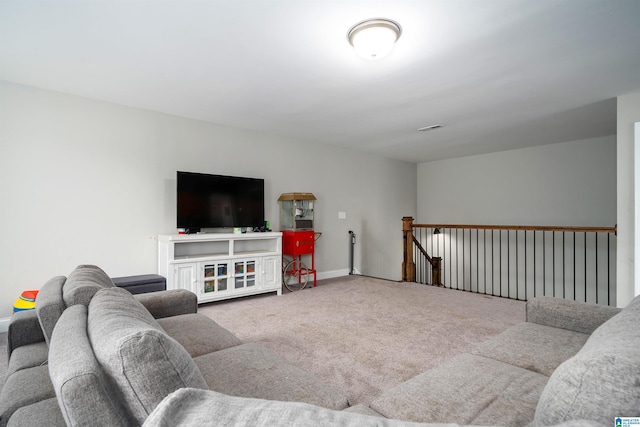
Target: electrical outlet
[[342, 215]]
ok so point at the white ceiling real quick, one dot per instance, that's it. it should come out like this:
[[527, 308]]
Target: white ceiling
[[498, 74]]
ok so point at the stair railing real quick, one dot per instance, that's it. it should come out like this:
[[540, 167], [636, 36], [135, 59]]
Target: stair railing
[[409, 265], [518, 262]]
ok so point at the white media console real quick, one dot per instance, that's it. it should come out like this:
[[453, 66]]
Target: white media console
[[221, 266]]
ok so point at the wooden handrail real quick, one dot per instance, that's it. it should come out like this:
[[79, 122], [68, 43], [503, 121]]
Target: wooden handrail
[[408, 265], [422, 250], [523, 227]]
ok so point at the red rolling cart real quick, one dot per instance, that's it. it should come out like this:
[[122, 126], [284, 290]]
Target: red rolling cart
[[298, 239]]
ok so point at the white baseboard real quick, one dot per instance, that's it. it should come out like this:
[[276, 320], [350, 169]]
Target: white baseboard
[[4, 324], [334, 273]]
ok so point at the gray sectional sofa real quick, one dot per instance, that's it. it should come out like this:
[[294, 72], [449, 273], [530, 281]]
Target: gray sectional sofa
[[150, 359], [559, 365], [94, 354], [569, 364]]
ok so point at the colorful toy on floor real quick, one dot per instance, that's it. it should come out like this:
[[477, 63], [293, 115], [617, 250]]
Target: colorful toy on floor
[[26, 301]]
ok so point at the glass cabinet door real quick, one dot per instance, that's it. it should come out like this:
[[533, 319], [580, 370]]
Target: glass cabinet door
[[215, 277], [245, 274], [251, 274], [222, 277]]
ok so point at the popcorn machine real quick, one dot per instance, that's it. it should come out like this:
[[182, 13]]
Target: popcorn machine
[[298, 239]]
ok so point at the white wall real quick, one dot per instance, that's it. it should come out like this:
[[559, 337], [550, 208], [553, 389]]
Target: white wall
[[636, 183], [83, 181], [571, 183], [567, 184], [628, 113]]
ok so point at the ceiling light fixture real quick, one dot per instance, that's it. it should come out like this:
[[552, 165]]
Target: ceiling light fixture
[[374, 39]]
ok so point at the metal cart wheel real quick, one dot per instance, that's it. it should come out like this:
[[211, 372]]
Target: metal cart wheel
[[295, 275]]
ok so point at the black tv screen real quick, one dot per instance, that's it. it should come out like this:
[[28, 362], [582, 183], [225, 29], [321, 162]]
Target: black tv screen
[[218, 201]]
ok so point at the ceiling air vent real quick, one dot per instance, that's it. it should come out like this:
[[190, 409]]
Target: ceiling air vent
[[427, 128]]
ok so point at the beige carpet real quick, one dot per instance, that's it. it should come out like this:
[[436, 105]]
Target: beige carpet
[[364, 335]]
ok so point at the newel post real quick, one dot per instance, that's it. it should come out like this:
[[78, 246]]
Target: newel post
[[436, 269], [408, 265]]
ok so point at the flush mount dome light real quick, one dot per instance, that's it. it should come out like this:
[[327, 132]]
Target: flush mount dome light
[[374, 38]]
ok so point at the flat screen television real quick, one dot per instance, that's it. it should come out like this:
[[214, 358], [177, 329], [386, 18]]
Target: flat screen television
[[218, 201]]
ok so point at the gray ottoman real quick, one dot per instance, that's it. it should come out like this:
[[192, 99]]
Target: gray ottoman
[[141, 284]]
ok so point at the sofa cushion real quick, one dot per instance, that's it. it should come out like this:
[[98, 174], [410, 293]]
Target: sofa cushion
[[50, 305], [534, 347], [568, 314], [43, 413], [28, 356], [198, 334], [603, 380], [82, 388], [83, 283], [143, 361], [22, 388], [24, 329], [467, 389], [251, 370]]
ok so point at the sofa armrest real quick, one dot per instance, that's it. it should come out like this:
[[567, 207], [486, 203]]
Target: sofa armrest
[[567, 314], [24, 329], [187, 407], [169, 303]]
